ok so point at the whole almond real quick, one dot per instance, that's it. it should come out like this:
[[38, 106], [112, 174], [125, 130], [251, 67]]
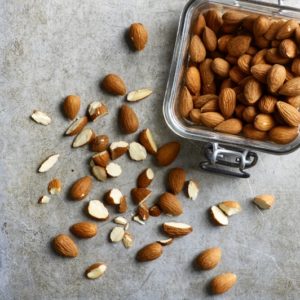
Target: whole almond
[[64, 246], [294, 101], [276, 77], [259, 57], [209, 39], [260, 72], [222, 283], [248, 22], [197, 50], [207, 77], [221, 67], [251, 50], [84, 230], [236, 75], [169, 204], [264, 122], [175, 229], [244, 63], [291, 87], [113, 84], [249, 114], [199, 101], [288, 48], [81, 188], [273, 29], [150, 252], [239, 110], [238, 45], [211, 105], [295, 68], [287, 30], [99, 143], [209, 258], [252, 91], [128, 120], [289, 113], [227, 83], [233, 126], [273, 56], [233, 17], [222, 42], [213, 19], [167, 153], [252, 133], [267, 104], [227, 102], [146, 139], [176, 180], [261, 25], [192, 80], [199, 25], [195, 116], [211, 119], [185, 103], [283, 134], [138, 36], [71, 106]]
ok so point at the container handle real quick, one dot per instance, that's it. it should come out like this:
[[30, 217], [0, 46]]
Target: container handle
[[225, 161]]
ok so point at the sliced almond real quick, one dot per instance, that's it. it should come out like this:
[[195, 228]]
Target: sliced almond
[[97, 210], [127, 240], [120, 220], [83, 138], [264, 201], [40, 117], [76, 126], [230, 208], [113, 197], [138, 95], [175, 229], [99, 173], [143, 211], [117, 234], [122, 207], [113, 170], [47, 164], [145, 178], [166, 242], [146, 139], [138, 220], [192, 190], [101, 159], [137, 151], [117, 149], [96, 110], [218, 216], [140, 195], [44, 199], [96, 270], [54, 186]]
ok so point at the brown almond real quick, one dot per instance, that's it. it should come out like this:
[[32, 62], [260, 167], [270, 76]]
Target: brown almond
[[227, 102], [145, 178], [259, 57], [239, 110], [185, 103], [288, 48], [233, 126], [211, 105], [234, 17], [295, 68], [76, 126], [209, 39], [64, 246], [101, 159], [154, 211], [213, 19], [99, 143], [252, 91], [261, 25], [117, 149], [146, 139], [251, 50], [140, 195], [211, 119], [209, 258], [54, 186], [169, 204], [113, 84], [248, 22], [276, 77], [267, 104], [221, 67], [252, 133], [238, 45], [122, 207], [264, 122], [84, 230], [150, 252], [273, 57], [222, 42], [197, 50], [128, 120], [244, 63], [260, 72], [291, 87], [167, 153], [199, 25], [81, 188], [175, 229], [287, 30], [192, 80], [283, 134], [294, 101], [71, 106], [249, 114], [143, 211], [176, 180], [207, 77], [236, 75], [289, 113], [138, 35], [222, 283], [199, 101], [195, 116], [273, 29]]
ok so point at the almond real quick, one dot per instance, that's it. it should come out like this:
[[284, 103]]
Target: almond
[[248, 22], [267, 104], [291, 87], [218, 216], [122, 207], [83, 138], [259, 57], [96, 270], [150, 252], [209, 258], [127, 240], [252, 91], [222, 42], [185, 103], [146, 139], [138, 35], [251, 50], [71, 106], [213, 19], [64, 246], [84, 230], [207, 77], [289, 113], [221, 67], [211, 105], [97, 210], [283, 134], [167, 153], [48, 163], [233, 126], [192, 189], [211, 119], [238, 45], [227, 102], [273, 56], [81, 188], [120, 221], [273, 29], [138, 95], [101, 159], [288, 48], [199, 25], [276, 77], [230, 208], [145, 178], [294, 101], [252, 133], [137, 151], [54, 186], [236, 75], [99, 143], [140, 195], [195, 116], [233, 17], [176, 180], [199, 101], [166, 242], [97, 110], [137, 219], [117, 149], [143, 211], [113, 197], [264, 201], [261, 25], [222, 283], [192, 80], [40, 117], [209, 39], [113, 170], [239, 110], [264, 122], [169, 204], [197, 50], [154, 211], [99, 173], [76, 126], [175, 229], [287, 30], [44, 200], [117, 234], [295, 68], [128, 120], [113, 84]]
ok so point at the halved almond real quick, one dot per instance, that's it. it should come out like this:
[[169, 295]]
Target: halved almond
[[99, 173], [96, 270], [117, 149], [120, 220], [138, 95], [101, 159], [166, 242], [47, 164], [127, 240], [146, 139], [97, 210], [76, 126], [113, 197], [192, 189], [145, 178], [218, 216], [264, 201], [122, 207], [54, 186], [230, 208], [140, 195], [40, 117], [113, 170], [97, 109], [83, 138], [137, 151], [117, 234], [143, 211], [175, 229], [44, 199]]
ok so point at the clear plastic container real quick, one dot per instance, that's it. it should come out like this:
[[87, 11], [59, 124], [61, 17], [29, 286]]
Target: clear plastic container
[[186, 129]]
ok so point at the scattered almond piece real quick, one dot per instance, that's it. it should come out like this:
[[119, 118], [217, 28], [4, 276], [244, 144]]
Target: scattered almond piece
[[122, 207], [143, 211], [71, 106], [127, 240], [117, 149], [138, 95], [113, 170], [175, 229], [76, 126], [146, 139], [137, 152], [84, 230], [120, 220], [138, 220], [128, 120], [264, 201], [150, 252], [114, 85], [101, 159], [169, 204], [99, 173], [222, 283], [97, 210], [167, 153], [117, 234], [99, 143], [209, 258], [54, 186], [81, 188], [47, 164], [192, 190], [230, 208], [97, 110], [138, 35], [154, 211], [145, 178], [44, 199], [176, 180], [166, 242], [40, 117], [96, 270], [113, 197], [218, 216], [83, 138], [140, 195], [64, 246]]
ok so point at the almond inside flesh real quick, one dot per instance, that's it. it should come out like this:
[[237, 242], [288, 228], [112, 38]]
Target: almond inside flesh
[[114, 197], [44, 199], [120, 220], [127, 240], [83, 138], [264, 201], [41, 117], [137, 152], [230, 208], [117, 149], [117, 234], [113, 170], [76, 126], [193, 190], [99, 173], [138, 95], [96, 270], [48, 163], [96, 110], [218, 216], [97, 210], [166, 242]]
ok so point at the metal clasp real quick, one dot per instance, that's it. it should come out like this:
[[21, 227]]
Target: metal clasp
[[221, 160]]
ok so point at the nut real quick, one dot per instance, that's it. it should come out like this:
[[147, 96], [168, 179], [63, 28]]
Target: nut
[[84, 230], [176, 180], [276, 77], [283, 134], [138, 36], [230, 208], [81, 188], [197, 50], [175, 229], [113, 170], [101, 159], [169, 204], [48, 163], [222, 283], [264, 122], [167, 153], [122, 207], [138, 220], [84, 137], [146, 139], [143, 211], [218, 216], [150, 252], [250, 132], [127, 240], [97, 110], [211, 119], [238, 45], [113, 197], [44, 199], [140, 195], [185, 102], [76, 126], [120, 221], [97, 210], [99, 173], [117, 234], [99, 143], [264, 201], [233, 126], [154, 211], [54, 186], [193, 82], [138, 95], [117, 149], [113, 84], [166, 242], [128, 120], [221, 67], [64, 246], [137, 151], [40, 117], [192, 189], [289, 113], [227, 102], [145, 178], [71, 106], [96, 270], [209, 258], [209, 39], [260, 71], [287, 30]]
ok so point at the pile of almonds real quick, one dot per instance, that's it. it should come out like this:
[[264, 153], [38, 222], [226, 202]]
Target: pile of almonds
[[243, 75]]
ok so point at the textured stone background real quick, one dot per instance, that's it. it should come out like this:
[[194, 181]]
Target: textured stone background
[[50, 49]]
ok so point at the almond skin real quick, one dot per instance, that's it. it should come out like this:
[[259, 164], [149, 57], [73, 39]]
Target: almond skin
[[238, 45], [276, 77], [213, 19], [252, 91], [211, 119], [122, 207], [169, 204], [197, 50], [167, 153], [289, 113], [222, 283], [192, 80], [252, 133], [264, 122], [64, 246], [99, 143], [71, 106], [295, 68], [232, 126], [128, 120], [145, 178], [114, 85], [221, 67], [84, 230], [154, 211], [267, 104], [261, 26], [283, 134], [288, 48], [273, 56], [174, 229], [209, 258], [222, 42], [176, 180], [199, 25], [244, 62], [291, 87], [150, 252], [249, 114], [207, 77], [146, 139], [185, 103], [81, 188], [138, 36], [209, 39], [140, 195], [227, 102]]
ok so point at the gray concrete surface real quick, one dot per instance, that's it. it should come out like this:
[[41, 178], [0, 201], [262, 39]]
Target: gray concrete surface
[[50, 49]]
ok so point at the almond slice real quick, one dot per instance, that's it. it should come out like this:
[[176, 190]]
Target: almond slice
[[76, 126], [96, 110], [97, 210], [44, 199], [175, 229], [193, 190], [230, 208], [83, 138], [47, 164], [96, 270], [40, 117], [99, 173], [101, 159], [146, 139], [54, 186], [117, 149], [127, 240], [264, 201], [113, 170], [218, 216], [137, 151], [138, 220], [138, 95], [113, 197], [143, 211], [117, 234], [145, 178], [120, 220], [166, 242]]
